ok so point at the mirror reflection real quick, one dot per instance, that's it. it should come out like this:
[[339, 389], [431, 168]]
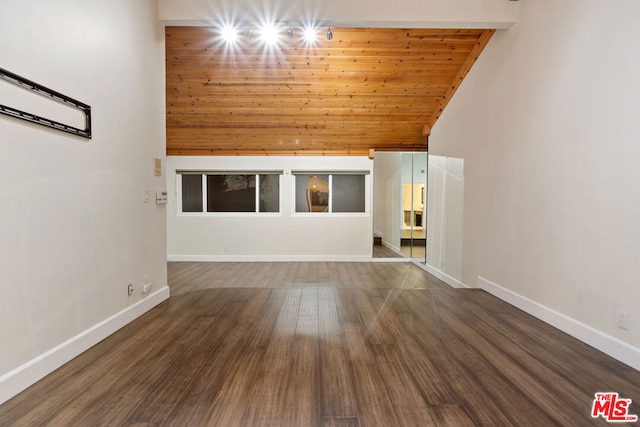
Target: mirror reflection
[[400, 205], [318, 193]]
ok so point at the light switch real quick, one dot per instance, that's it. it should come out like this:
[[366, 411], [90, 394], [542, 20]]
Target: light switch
[[161, 197], [145, 195]]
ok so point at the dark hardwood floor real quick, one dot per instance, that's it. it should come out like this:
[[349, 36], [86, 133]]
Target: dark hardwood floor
[[326, 344]]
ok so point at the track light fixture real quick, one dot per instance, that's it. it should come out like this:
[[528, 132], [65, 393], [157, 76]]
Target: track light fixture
[[270, 34]]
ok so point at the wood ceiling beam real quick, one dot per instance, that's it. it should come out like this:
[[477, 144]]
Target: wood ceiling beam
[[230, 152]]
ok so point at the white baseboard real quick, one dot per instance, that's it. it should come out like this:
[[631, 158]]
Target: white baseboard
[[269, 258], [28, 374], [454, 283], [612, 346], [388, 260], [392, 247]]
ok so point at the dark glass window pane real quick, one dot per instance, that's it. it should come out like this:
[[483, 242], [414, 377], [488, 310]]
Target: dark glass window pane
[[191, 193], [231, 193], [348, 193], [312, 193], [269, 193]]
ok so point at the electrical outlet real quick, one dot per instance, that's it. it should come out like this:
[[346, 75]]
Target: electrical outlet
[[146, 288], [130, 289], [623, 319]]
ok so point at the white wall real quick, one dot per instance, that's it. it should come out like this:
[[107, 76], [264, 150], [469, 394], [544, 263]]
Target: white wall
[[74, 229], [374, 13], [445, 215], [547, 124], [284, 236]]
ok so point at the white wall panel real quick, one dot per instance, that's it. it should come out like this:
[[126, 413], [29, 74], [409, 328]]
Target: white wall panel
[[285, 236], [546, 122], [445, 215], [364, 13], [74, 228]]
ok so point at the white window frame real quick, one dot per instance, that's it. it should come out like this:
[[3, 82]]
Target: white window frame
[[203, 175], [330, 173]]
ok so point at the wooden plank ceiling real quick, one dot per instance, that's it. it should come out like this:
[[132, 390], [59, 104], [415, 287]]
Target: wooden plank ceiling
[[366, 89]]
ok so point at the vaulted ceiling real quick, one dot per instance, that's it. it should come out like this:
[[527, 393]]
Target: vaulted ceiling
[[365, 89]]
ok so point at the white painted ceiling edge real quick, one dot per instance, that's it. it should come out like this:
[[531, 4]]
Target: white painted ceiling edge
[[498, 14]]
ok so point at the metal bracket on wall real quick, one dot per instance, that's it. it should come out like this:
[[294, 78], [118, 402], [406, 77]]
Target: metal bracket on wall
[[48, 93]]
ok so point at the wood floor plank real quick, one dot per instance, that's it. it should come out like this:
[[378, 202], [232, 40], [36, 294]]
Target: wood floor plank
[[339, 422], [524, 368], [261, 273], [337, 399], [74, 378], [324, 275], [493, 367], [326, 344], [496, 401], [89, 380], [572, 358], [372, 313], [425, 368], [278, 280], [309, 303], [111, 405], [261, 333], [302, 400], [424, 326], [231, 401], [302, 278], [266, 401], [410, 407], [193, 406], [346, 305], [373, 400], [562, 378], [165, 394], [291, 275], [451, 416], [252, 309], [178, 381], [229, 405]]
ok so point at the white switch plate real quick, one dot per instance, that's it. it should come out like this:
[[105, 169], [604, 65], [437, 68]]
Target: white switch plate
[[623, 319], [161, 197], [145, 195]]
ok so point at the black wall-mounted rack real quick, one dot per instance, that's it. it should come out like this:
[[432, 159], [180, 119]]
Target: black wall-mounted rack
[[46, 92]]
